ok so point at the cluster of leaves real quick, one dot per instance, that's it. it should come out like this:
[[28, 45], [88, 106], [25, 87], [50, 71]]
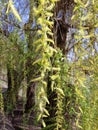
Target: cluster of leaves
[[74, 83], [58, 85], [85, 15], [10, 7], [44, 46]]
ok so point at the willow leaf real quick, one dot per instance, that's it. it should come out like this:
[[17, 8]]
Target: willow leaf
[[43, 123], [53, 77], [79, 2], [36, 79], [46, 112], [39, 117], [81, 82], [46, 99], [88, 36], [60, 91], [15, 12]]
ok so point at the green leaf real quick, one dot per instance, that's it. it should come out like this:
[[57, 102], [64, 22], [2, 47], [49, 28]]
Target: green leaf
[[39, 116], [46, 99], [43, 123], [15, 12], [81, 82], [88, 16], [52, 85], [56, 69], [36, 79], [54, 77], [59, 90], [44, 83], [78, 125], [41, 106], [80, 3], [80, 109], [88, 36], [79, 93], [37, 61], [46, 112]]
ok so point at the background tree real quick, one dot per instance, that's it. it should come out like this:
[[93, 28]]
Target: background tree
[[59, 83]]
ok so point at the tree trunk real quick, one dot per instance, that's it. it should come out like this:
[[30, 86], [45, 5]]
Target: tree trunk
[[30, 69], [60, 34]]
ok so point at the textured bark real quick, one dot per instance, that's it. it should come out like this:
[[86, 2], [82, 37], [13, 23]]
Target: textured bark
[[61, 26], [60, 33], [30, 69]]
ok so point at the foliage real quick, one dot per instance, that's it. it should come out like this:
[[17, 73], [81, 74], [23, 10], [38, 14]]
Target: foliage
[[14, 11], [37, 58], [59, 85], [43, 18], [85, 52]]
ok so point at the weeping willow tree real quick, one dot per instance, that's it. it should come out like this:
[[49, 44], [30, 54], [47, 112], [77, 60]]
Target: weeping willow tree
[[58, 61]]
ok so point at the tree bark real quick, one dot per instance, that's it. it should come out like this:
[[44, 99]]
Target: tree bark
[[30, 69]]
